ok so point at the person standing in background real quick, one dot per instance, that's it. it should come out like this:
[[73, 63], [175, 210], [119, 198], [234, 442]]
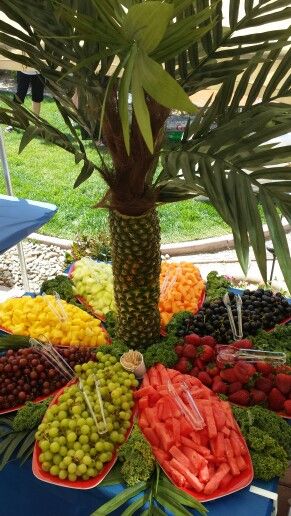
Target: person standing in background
[[36, 81]]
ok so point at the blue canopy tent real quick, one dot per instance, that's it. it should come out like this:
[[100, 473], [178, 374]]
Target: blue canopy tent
[[19, 217]]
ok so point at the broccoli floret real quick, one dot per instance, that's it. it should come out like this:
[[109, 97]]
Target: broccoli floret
[[176, 321], [138, 462], [267, 466], [216, 286], [162, 352], [29, 416], [116, 348]]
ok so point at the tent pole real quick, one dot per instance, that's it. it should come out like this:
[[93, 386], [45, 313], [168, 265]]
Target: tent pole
[[10, 192]]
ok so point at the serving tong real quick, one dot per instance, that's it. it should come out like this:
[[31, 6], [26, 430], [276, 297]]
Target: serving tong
[[229, 354], [57, 309], [47, 350], [226, 300], [192, 415]]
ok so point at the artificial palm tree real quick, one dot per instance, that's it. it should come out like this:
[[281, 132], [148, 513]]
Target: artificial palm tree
[[161, 52]]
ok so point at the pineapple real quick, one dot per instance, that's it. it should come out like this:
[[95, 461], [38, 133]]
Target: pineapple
[[136, 263]]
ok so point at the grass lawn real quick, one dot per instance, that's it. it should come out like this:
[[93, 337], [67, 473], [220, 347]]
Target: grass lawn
[[46, 173]]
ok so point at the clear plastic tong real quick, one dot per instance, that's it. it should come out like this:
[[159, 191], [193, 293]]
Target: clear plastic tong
[[193, 416], [226, 300], [229, 354]]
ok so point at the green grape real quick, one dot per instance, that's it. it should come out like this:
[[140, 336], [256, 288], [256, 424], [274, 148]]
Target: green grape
[[62, 474], [54, 470], [79, 455], [99, 446], [71, 452], [72, 468], [77, 445], [85, 429], [61, 440], [48, 455], [46, 466], [114, 436], [42, 457], [63, 414], [108, 447], [98, 465], [78, 368], [81, 421], [85, 414], [87, 460], [67, 460], [92, 472], [90, 421], [72, 477], [64, 423], [84, 439], [44, 445], [54, 447], [86, 448], [77, 410], [72, 424], [57, 459], [53, 432], [71, 437], [94, 437], [85, 477], [81, 469]]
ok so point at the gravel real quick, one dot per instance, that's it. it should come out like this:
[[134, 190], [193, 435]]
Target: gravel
[[42, 262]]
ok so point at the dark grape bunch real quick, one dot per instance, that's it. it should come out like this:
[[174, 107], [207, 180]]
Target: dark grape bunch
[[261, 309], [26, 375]]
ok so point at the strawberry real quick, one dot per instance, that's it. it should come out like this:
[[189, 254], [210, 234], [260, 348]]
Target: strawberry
[[264, 384], [194, 371], [212, 369], [241, 397], [198, 363], [287, 407], [229, 375], [257, 396], [208, 340], [242, 344], [179, 350], [205, 378], [234, 387], [193, 339], [276, 399], [189, 351], [244, 371], [205, 352], [219, 386], [264, 368], [183, 365], [283, 382]]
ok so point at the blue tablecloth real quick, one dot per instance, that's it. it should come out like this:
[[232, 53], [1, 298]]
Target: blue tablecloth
[[23, 494], [20, 217]]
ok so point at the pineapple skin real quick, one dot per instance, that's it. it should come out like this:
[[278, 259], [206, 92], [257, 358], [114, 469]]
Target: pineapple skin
[[136, 262]]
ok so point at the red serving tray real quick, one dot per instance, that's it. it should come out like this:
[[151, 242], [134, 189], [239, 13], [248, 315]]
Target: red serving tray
[[45, 476], [36, 400], [236, 484]]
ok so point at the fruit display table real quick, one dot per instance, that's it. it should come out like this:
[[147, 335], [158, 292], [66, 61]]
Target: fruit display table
[[21, 492]]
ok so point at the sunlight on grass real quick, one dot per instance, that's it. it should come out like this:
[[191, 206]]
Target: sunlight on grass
[[44, 172]]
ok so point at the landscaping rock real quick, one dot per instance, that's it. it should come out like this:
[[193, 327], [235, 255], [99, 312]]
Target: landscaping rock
[[42, 262]]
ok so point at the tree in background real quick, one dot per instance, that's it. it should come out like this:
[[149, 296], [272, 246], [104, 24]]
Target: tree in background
[[161, 52]]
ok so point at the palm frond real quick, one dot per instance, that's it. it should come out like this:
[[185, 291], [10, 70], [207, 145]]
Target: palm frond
[[236, 167]]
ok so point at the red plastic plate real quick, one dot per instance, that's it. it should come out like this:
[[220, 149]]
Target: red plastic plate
[[79, 484], [236, 484], [36, 400]]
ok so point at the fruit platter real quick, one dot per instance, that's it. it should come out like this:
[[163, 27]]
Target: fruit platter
[[199, 413]]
